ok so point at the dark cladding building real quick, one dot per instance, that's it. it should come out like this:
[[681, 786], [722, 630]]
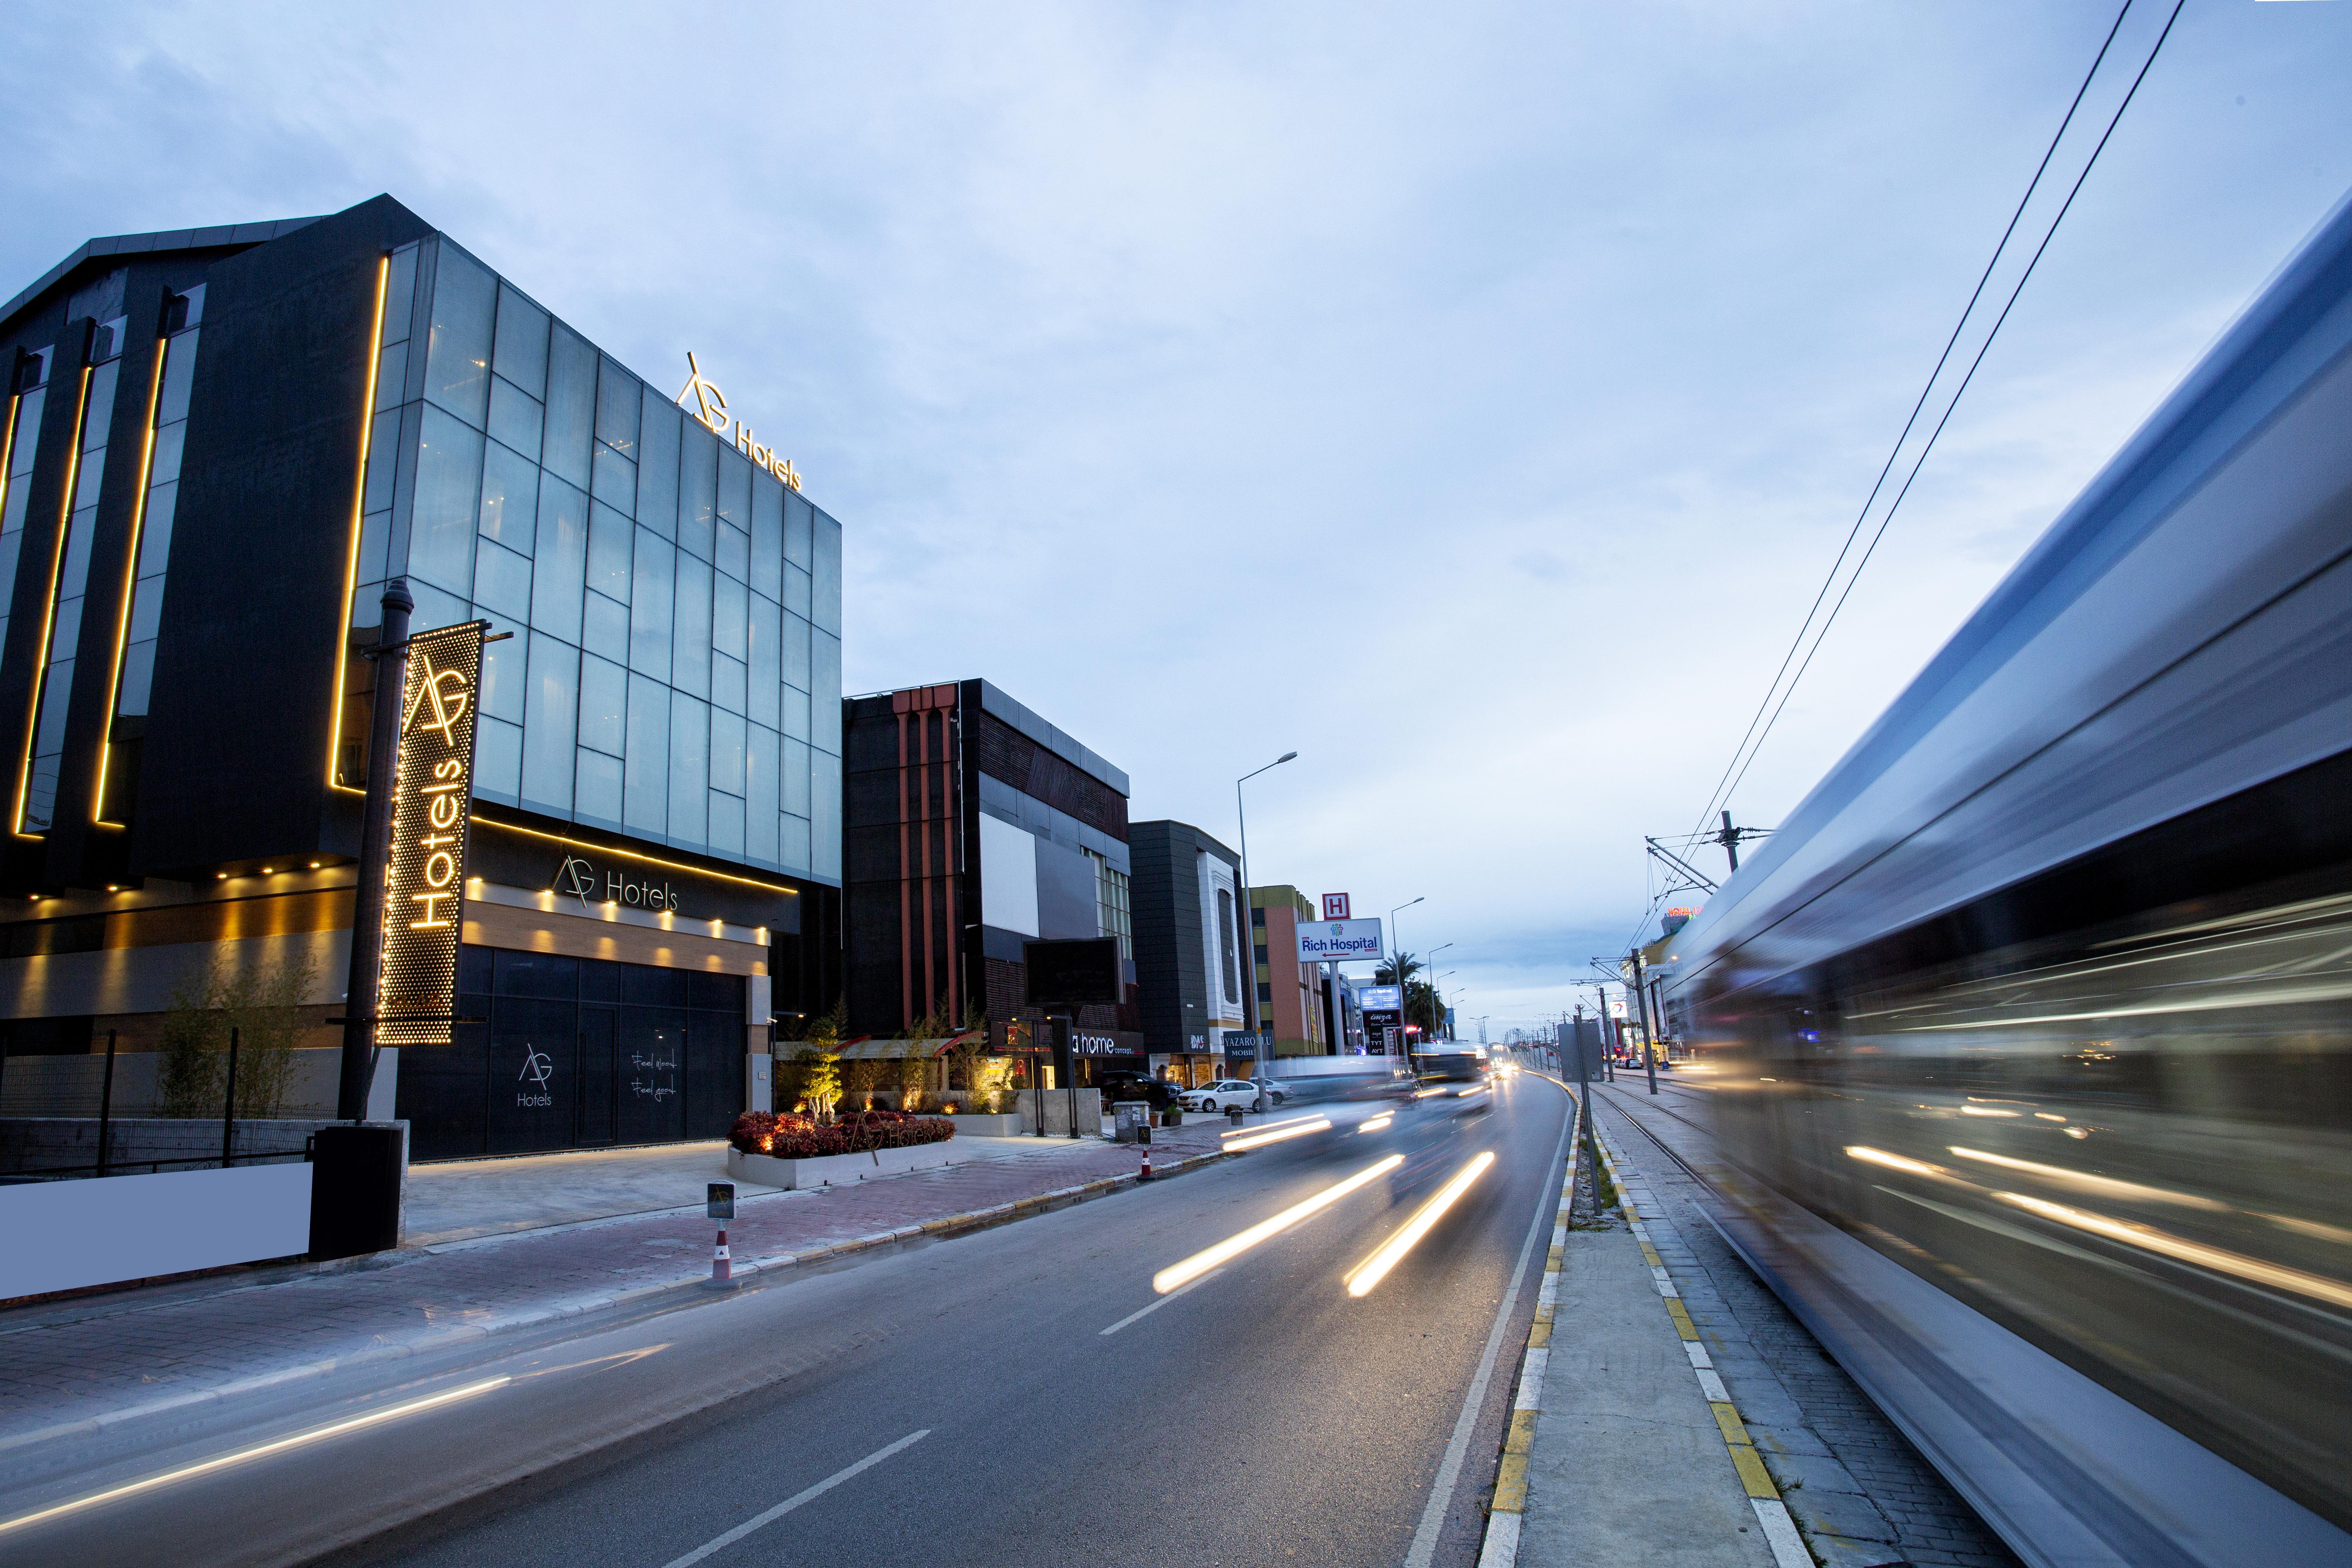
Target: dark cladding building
[[972, 826], [1187, 951], [218, 445]]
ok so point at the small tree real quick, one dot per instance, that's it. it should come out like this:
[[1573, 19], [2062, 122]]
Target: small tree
[[821, 1082], [264, 1005], [195, 1036], [970, 1051], [859, 1079], [913, 1070]]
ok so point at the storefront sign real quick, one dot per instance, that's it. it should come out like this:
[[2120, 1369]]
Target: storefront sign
[[432, 799], [1341, 942], [709, 405], [1241, 1046], [584, 881]]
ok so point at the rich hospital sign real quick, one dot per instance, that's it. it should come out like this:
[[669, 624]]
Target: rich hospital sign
[[709, 405], [432, 800], [1338, 942]]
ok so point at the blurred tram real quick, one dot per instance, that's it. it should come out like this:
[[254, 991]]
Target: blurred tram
[[2028, 1036]]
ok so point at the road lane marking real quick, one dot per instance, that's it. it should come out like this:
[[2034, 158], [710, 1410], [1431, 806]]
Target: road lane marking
[[759, 1520], [259, 1450], [1147, 1311]]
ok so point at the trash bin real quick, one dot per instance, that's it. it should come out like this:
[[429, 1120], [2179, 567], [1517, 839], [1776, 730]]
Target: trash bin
[[1130, 1117], [356, 1172], [1233, 1114]]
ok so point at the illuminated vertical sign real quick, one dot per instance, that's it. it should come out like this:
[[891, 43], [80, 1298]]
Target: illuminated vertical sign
[[433, 795]]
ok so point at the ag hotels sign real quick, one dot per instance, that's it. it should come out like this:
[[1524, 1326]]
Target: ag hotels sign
[[432, 800]]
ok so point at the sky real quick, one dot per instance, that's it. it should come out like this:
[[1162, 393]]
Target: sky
[[1468, 398]]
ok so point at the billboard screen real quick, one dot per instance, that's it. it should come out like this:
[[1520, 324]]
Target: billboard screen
[[1382, 998]]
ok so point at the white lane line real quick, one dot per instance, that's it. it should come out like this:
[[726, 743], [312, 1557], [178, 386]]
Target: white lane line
[[261, 1450], [1147, 1311], [1449, 1468], [718, 1543]]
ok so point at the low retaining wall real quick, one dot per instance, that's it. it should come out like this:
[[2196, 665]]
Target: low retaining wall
[[968, 1125], [63, 1236], [837, 1169], [32, 1144]]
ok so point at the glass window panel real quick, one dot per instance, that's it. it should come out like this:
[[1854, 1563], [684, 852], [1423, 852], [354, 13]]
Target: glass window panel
[[498, 761], [727, 753], [615, 480], [767, 578], [825, 585], [155, 535], [604, 627], [646, 758], [138, 676], [734, 556], [796, 653], [825, 698], [697, 490], [502, 680], [178, 376], [501, 586], [726, 833], [400, 293], [516, 416], [510, 499], [689, 771], [726, 683], [441, 522], [458, 363], [434, 608], [654, 590], [764, 681], [793, 843], [796, 713], [618, 394], [571, 406], [796, 590], [825, 823], [689, 666], [735, 488], [597, 797], [164, 459], [658, 465], [762, 792], [730, 613], [562, 553], [383, 461], [146, 610], [793, 780], [799, 525], [522, 342], [608, 551], [547, 725], [392, 377], [375, 542]]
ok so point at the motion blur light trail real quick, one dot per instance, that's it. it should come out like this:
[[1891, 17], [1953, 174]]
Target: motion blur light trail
[[1375, 1268], [1262, 1126], [1318, 1125], [1177, 1274], [2082, 1181], [2170, 1246], [1376, 1123], [317, 1434]]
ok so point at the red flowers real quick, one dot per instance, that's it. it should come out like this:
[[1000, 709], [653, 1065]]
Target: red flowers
[[788, 1137]]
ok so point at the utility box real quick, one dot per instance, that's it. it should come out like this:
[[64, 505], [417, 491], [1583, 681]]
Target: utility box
[[1131, 1117], [356, 1173], [759, 1080]]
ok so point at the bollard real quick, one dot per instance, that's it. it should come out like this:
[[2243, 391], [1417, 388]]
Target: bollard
[[1233, 1114], [720, 1206]]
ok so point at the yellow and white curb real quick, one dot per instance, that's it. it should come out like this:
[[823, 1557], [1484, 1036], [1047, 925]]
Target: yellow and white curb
[[1501, 1548], [1789, 1550]]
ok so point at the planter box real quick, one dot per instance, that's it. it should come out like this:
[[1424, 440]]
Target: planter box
[[836, 1170], [979, 1125]]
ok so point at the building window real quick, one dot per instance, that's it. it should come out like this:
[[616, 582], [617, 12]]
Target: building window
[[1226, 945], [1112, 902], [1264, 995], [29, 392]]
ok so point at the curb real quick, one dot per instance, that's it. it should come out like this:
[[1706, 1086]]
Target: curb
[[1789, 1549], [1501, 1546], [691, 1286]]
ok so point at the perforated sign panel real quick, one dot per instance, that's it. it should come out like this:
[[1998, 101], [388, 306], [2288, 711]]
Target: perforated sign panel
[[432, 796]]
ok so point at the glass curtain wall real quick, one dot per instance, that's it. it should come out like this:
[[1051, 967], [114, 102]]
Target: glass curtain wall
[[27, 393], [675, 673], [38, 809]]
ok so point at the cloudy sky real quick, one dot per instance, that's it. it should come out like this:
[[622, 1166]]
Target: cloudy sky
[[1468, 397]]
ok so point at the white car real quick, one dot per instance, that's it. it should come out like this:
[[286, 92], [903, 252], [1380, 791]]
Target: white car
[[1219, 1095]]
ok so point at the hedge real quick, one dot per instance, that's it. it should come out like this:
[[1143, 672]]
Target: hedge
[[785, 1136]]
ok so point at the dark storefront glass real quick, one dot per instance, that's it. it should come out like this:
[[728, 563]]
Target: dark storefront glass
[[561, 1053]]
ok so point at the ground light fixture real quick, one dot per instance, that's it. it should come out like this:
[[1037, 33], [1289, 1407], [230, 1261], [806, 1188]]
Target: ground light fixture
[[1177, 1275], [259, 1450], [1375, 1268]]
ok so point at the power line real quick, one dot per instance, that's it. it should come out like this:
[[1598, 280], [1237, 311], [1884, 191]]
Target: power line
[[1983, 350], [1725, 785]]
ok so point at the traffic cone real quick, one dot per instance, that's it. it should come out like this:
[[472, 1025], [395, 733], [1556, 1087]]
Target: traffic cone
[[1145, 1174], [722, 1263]]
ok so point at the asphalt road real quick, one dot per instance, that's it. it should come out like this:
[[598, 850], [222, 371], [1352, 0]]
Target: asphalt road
[[1018, 1395]]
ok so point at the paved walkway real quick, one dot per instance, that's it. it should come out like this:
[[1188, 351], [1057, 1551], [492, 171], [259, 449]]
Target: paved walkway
[[78, 1366]]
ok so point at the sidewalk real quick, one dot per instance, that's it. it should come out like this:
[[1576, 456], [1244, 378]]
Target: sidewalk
[[80, 1366]]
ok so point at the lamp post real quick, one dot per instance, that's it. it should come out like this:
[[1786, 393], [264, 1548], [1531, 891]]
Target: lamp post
[[1429, 962], [1249, 923], [1399, 962]]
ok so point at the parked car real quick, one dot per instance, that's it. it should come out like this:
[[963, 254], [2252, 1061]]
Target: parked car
[[1157, 1093], [1221, 1094], [1265, 1087]]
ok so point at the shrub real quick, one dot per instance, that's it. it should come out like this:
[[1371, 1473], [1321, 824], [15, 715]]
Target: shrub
[[791, 1137]]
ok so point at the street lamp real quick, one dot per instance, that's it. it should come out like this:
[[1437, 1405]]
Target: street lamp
[[1428, 962], [1400, 961], [1249, 922]]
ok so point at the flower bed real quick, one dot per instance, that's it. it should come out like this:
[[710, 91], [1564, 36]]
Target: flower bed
[[788, 1137]]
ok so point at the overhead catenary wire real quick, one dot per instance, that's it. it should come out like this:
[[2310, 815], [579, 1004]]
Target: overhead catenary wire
[[1729, 781], [1981, 350]]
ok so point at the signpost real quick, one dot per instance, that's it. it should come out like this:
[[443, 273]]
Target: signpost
[[1338, 941]]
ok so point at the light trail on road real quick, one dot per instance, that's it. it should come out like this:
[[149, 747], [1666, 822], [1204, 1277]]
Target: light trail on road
[[1233, 1246], [1259, 1139], [1375, 1268]]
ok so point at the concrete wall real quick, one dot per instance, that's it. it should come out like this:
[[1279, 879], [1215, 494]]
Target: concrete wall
[[30, 1144], [71, 1086]]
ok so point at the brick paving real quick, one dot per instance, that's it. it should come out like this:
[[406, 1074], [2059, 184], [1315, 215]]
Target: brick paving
[[81, 1364], [1860, 1492]]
